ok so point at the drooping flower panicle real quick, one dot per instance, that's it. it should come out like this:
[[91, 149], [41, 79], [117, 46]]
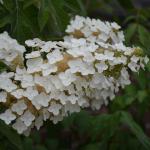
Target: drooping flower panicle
[[58, 78]]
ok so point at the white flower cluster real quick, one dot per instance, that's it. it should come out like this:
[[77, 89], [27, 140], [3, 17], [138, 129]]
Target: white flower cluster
[[86, 69], [11, 52]]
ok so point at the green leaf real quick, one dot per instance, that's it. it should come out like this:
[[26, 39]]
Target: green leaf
[[71, 7], [129, 18], [11, 135], [126, 99], [9, 5], [52, 143], [142, 95], [136, 129], [28, 3], [82, 7], [144, 36], [75, 7], [28, 144], [141, 78], [130, 90], [59, 16], [44, 13], [85, 119], [104, 126], [130, 31], [25, 25], [5, 20]]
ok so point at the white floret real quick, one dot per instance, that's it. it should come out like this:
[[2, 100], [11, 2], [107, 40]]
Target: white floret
[[115, 26], [19, 107], [6, 83], [46, 114], [146, 59], [3, 96], [41, 100], [10, 49], [33, 54], [7, 116], [34, 65], [39, 122], [48, 46], [56, 119], [54, 108], [57, 82], [79, 66], [19, 126], [101, 66], [67, 77], [48, 69], [106, 56], [36, 42], [18, 93], [25, 78], [54, 56], [73, 99], [30, 93], [71, 107], [27, 118], [45, 82]]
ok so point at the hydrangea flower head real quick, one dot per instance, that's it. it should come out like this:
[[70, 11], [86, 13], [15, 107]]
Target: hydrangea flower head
[[86, 69]]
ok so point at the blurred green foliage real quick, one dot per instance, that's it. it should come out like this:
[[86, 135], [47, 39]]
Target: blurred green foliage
[[121, 125]]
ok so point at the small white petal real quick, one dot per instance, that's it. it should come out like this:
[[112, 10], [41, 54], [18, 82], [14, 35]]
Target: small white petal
[[54, 108], [27, 118], [7, 116], [54, 56], [3, 96]]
